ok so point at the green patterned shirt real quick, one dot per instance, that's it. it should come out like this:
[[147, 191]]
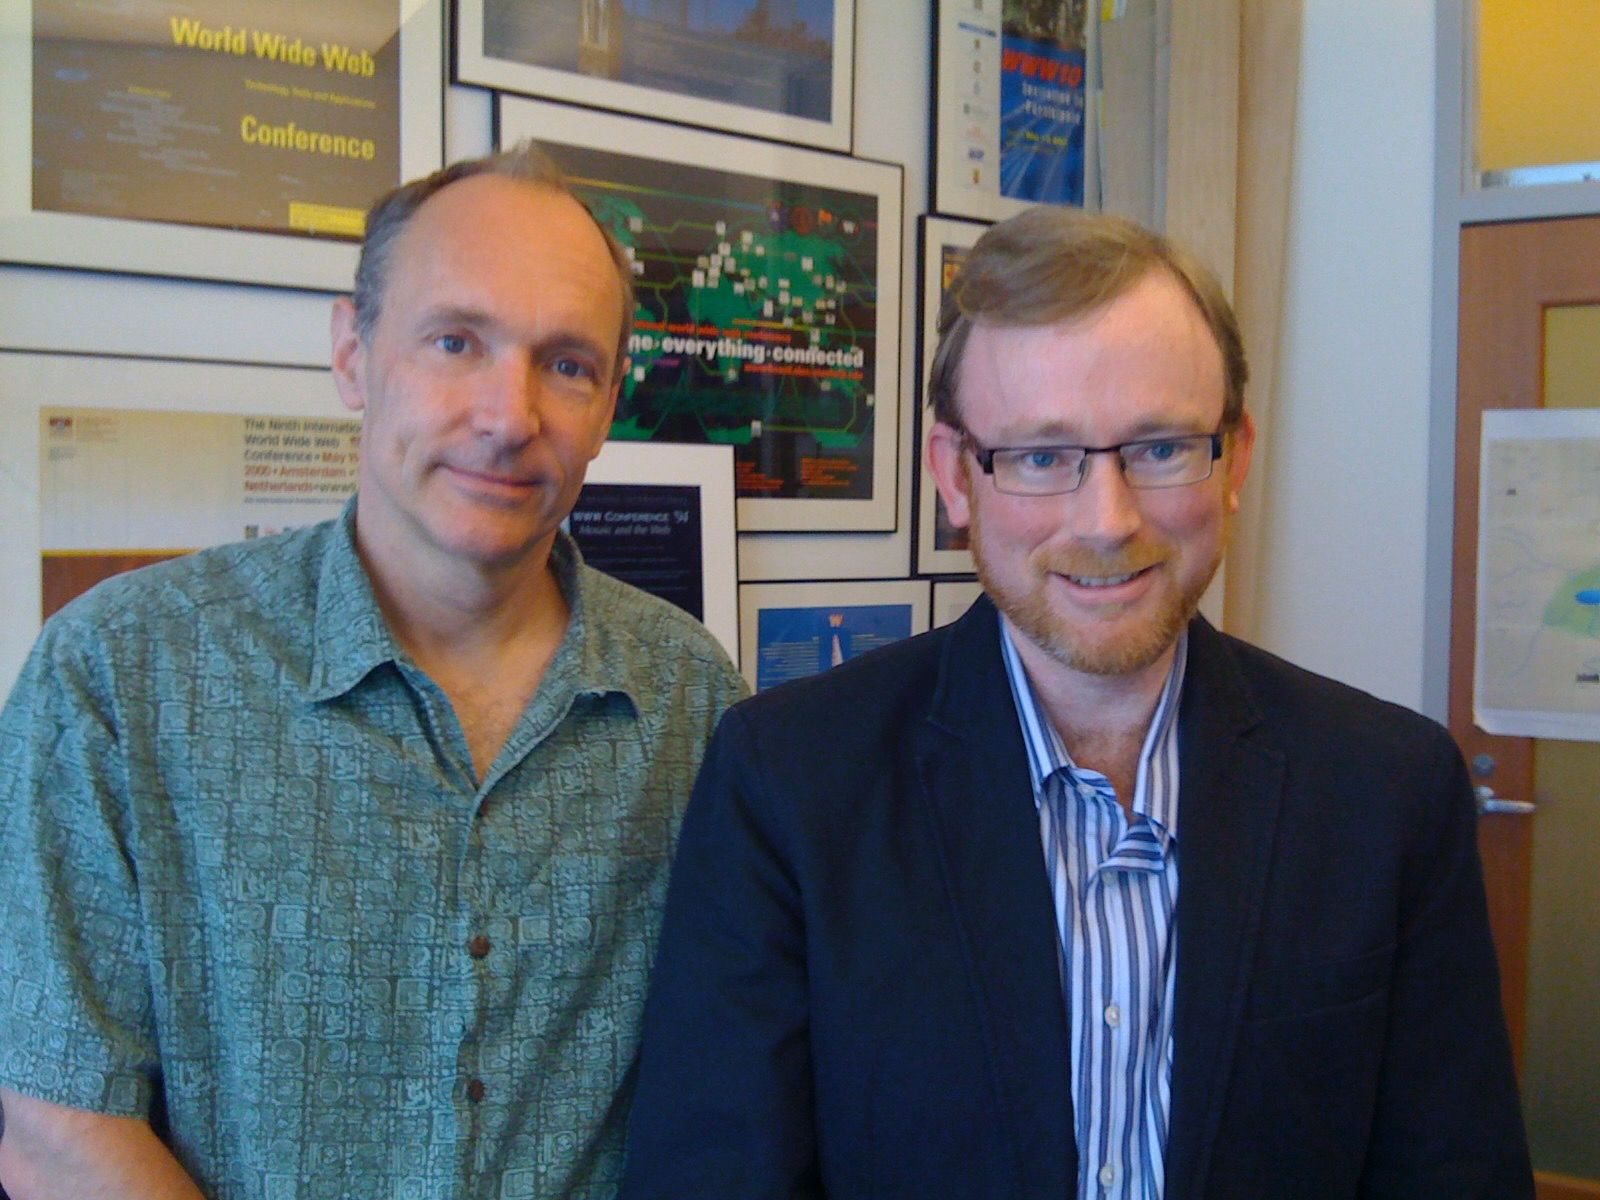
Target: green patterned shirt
[[254, 892]]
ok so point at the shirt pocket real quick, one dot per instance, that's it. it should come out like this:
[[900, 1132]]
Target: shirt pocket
[[1304, 989]]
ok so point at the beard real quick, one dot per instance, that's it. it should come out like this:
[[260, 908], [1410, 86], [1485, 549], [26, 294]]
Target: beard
[[1123, 648]]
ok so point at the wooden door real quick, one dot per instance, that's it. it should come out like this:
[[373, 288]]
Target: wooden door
[[1514, 276]]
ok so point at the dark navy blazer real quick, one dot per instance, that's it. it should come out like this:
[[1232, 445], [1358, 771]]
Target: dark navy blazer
[[857, 994]]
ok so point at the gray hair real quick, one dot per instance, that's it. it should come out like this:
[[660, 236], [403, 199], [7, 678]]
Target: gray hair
[[526, 163]]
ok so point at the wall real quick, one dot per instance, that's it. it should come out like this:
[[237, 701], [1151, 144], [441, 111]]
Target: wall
[[1344, 586], [1346, 463]]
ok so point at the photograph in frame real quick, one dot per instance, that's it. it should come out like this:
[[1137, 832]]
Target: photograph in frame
[[789, 631], [1010, 106], [767, 306], [217, 140], [941, 548], [757, 68], [660, 517]]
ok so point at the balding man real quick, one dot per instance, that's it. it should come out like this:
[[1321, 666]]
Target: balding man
[[335, 859]]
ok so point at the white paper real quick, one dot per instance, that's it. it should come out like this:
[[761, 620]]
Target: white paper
[[1538, 653]]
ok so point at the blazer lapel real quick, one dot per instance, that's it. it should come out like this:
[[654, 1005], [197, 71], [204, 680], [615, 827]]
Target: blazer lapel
[[1230, 792], [971, 762]]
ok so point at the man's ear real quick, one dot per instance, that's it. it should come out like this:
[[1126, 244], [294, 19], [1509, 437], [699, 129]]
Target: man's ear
[[945, 448], [604, 430], [1241, 446], [349, 355]]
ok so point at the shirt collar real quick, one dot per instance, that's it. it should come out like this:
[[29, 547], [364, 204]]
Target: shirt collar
[[351, 638], [1155, 792]]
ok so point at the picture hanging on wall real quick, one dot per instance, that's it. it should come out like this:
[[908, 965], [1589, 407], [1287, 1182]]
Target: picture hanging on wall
[[1010, 106], [941, 547], [106, 458], [781, 71], [219, 139], [661, 518], [788, 631], [767, 289]]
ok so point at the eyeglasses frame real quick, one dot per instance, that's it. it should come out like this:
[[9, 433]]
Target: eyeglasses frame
[[984, 455]]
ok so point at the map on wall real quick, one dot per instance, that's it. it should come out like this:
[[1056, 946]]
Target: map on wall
[[1538, 653]]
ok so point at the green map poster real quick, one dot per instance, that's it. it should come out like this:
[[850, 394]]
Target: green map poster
[[756, 321]]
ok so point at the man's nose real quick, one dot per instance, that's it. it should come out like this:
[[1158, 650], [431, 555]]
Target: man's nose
[[508, 405], [1105, 507]]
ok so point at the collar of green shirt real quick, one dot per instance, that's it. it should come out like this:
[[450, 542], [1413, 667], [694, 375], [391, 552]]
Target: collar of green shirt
[[351, 638]]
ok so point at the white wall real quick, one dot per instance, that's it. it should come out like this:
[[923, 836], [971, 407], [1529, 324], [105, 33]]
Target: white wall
[[1345, 470]]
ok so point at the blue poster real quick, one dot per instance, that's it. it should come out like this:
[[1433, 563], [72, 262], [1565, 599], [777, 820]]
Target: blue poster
[[1041, 121], [792, 643]]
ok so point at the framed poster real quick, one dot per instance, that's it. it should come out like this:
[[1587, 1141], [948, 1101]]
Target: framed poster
[[661, 518], [218, 139], [952, 598], [121, 488], [1009, 107], [781, 71], [941, 548], [768, 301], [171, 494], [790, 630]]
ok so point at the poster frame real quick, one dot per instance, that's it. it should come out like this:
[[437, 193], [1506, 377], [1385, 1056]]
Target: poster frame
[[754, 598], [474, 66], [709, 470], [34, 380], [166, 249], [950, 124], [933, 235], [555, 125], [952, 598]]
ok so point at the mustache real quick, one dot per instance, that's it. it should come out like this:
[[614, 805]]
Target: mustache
[[1082, 561]]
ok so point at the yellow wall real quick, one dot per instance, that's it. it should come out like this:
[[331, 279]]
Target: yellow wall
[[1538, 87]]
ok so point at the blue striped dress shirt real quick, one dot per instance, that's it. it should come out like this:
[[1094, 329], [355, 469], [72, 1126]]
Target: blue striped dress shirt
[[1115, 884]]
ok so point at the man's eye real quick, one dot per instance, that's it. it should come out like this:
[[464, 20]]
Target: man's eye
[[452, 343], [1156, 453], [572, 368], [1040, 460]]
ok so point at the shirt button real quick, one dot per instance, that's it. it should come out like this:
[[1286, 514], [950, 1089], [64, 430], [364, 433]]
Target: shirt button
[[1113, 1015], [1108, 1175], [475, 1090], [478, 947]]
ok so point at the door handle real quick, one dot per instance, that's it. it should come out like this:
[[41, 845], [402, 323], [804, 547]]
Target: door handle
[[1488, 802]]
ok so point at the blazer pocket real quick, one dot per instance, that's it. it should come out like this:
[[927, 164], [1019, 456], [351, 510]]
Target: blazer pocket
[[1300, 989]]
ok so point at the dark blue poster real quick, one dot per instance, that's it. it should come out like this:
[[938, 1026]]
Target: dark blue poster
[[647, 535], [795, 642]]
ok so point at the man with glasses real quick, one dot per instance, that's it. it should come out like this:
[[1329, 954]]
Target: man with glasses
[[1079, 896]]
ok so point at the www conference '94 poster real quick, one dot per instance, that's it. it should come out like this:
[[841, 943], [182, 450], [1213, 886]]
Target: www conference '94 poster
[[1010, 104], [281, 117]]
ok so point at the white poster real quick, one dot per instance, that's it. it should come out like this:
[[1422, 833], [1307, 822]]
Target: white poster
[[1538, 652]]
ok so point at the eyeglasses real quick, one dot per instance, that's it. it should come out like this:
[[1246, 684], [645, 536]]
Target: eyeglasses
[[1051, 470]]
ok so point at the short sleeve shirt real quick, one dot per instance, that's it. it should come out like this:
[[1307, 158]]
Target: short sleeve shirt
[[256, 893]]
